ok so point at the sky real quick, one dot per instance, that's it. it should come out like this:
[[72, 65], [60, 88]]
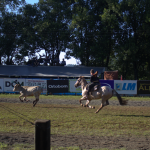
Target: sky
[[62, 54]]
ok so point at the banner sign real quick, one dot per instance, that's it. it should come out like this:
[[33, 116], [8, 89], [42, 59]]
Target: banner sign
[[58, 86], [72, 87], [109, 83], [9, 83], [125, 86], [143, 87], [1, 85], [37, 82]]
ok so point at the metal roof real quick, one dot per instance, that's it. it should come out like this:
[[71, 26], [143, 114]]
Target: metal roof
[[48, 71]]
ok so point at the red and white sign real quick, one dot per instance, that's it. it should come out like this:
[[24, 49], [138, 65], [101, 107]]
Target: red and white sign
[[37, 82]]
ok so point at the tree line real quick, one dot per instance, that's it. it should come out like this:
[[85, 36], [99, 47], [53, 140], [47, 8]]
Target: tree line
[[101, 33]]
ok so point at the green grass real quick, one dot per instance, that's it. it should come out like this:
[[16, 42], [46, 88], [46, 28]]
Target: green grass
[[3, 145], [73, 119], [16, 147], [31, 147]]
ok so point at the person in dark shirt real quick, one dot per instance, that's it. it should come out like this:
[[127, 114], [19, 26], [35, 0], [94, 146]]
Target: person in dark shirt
[[93, 79], [63, 63]]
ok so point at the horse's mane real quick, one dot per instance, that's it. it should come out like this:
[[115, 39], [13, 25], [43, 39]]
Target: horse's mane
[[82, 77]]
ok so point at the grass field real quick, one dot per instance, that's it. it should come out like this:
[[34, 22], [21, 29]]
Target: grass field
[[74, 119], [68, 97]]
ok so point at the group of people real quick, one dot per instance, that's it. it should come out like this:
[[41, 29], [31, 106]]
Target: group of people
[[46, 61]]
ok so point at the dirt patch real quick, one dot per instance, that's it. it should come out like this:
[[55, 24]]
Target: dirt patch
[[83, 142], [75, 102]]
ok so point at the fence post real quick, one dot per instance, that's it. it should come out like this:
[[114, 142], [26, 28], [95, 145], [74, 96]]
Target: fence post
[[42, 134]]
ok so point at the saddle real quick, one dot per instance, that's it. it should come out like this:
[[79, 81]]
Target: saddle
[[95, 88]]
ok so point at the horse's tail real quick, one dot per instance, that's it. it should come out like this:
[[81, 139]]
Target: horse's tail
[[121, 101]]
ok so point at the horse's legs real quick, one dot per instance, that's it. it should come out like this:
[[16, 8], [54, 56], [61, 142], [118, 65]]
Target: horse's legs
[[81, 102], [107, 102], [20, 98], [87, 104], [24, 99], [102, 105], [35, 101]]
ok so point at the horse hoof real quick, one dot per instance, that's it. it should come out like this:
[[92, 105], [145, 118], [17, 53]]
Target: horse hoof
[[93, 107], [82, 105]]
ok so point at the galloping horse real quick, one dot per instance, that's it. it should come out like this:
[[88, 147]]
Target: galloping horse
[[104, 92]]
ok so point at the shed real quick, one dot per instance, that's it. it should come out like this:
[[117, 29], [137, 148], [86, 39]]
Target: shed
[[47, 71]]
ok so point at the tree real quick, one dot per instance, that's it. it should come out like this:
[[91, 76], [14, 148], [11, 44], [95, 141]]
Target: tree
[[7, 5], [28, 42], [134, 49], [52, 28], [9, 37]]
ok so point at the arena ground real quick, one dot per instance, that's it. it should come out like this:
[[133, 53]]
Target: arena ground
[[84, 142]]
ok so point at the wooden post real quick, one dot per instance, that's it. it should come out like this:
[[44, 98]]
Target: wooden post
[[42, 134]]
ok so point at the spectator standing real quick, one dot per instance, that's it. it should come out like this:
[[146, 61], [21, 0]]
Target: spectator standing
[[63, 63]]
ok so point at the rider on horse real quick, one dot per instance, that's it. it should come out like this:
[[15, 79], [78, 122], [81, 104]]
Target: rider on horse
[[94, 80]]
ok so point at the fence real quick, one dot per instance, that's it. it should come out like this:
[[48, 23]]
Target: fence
[[60, 87]]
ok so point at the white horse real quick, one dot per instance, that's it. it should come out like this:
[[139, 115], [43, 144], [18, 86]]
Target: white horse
[[104, 92]]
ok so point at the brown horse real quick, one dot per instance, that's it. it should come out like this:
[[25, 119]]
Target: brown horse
[[104, 92]]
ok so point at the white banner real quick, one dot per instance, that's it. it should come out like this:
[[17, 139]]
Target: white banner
[[72, 88], [1, 85], [37, 82], [125, 86], [9, 83]]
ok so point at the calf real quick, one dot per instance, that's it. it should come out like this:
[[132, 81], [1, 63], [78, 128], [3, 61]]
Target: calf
[[28, 91]]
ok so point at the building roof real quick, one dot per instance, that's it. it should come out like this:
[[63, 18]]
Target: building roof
[[47, 71]]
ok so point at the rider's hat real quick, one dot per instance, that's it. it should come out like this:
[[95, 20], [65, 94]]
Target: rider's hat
[[91, 71]]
